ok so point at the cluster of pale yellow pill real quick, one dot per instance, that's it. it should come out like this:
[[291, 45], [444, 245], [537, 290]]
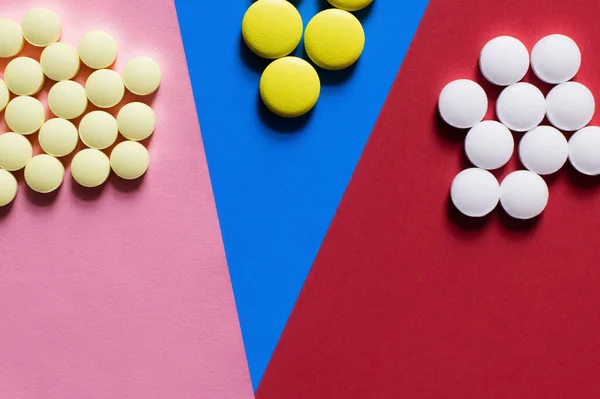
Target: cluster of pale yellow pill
[[67, 100]]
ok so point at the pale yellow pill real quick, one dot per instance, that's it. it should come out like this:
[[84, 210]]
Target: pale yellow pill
[[136, 121], [98, 130], [90, 167], [105, 88], [41, 27], [60, 61], [25, 115], [15, 151], [97, 49], [58, 137], [44, 173], [11, 38], [8, 187], [141, 75], [129, 160], [23, 76], [67, 99], [4, 95]]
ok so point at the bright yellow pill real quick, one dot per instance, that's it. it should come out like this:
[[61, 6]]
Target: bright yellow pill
[[334, 39], [136, 121], [97, 49], [60, 61], [129, 160], [290, 87], [105, 88], [8, 187], [12, 38], [350, 5], [67, 99], [4, 95], [44, 173], [41, 27], [15, 151], [90, 167], [272, 28], [98, 130], [58, 137], [141, 76], [24, 114], [23, 76]]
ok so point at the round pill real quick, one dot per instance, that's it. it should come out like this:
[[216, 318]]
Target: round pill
[[15, 151], [105, 88], [12, 38], [58, 137], [44, 173], [23, 76], [8, 187], [543, 150], [334, 39], [272, 28], [523, 194], [129, 160], [4, 95], [555, 59], [98, 130], [570, 106], [475, 192], [41, 27], [97, 49], [141, 75], [504, 60], [462, 103], [136, 121], [489, 145], [521, 107], [67, 99], [24, 114], [90, 167], [584, 150], [350, 5], [60, 61], [290, 87]]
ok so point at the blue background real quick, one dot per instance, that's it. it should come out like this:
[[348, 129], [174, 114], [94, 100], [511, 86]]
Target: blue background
[[277, 182]]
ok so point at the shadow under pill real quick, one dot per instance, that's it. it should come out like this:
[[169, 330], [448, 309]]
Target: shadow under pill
[[42, 200], [126, 186], [251, 60], [463, 222], [280, 124], [86, 193]]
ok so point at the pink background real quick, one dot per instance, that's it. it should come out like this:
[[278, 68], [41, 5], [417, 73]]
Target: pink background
[[122, 292]]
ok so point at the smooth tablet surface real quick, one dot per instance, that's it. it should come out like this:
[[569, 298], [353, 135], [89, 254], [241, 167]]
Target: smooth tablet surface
[[41, 27], [60, 61], [334, 39], [4, 95], [97, 49], [489, 145], [58, 137], [350, 5], [12, 38], [8, 187], [543, 150], [24, 114], [90, 167], [15, 151], [98, 130], [136, 121], [290, 87], [23, 76], [521, 107], [523, 194], [129, 160], [44, 173], [504, 60], [555, 59], [475, 192], [67, 99], [105, 88], [570, 106], [584, 150], [141, 75], [462, 103]]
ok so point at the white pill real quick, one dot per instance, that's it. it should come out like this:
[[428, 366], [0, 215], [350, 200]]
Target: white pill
[[504, 60], [41, 27], [489, 145], [105, 88], [25, 115], [584, 150], [58, 137], [67, 99], [141, 75], [523, 194], [555, 59], [543, 150], [23, 76], [475, 192], [12, 38], [8, 187], [462, 103], [60, 61], [97, 49], [4, 95], [44, 173], [521, 107], [570, 106], [98, 130]]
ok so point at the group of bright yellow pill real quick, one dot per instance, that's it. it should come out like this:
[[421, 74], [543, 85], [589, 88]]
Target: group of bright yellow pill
[[334, 39], [58, 137]]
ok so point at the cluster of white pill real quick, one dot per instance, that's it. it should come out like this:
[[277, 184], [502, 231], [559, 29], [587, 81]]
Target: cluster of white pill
[[521, 107], [67, 100]]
